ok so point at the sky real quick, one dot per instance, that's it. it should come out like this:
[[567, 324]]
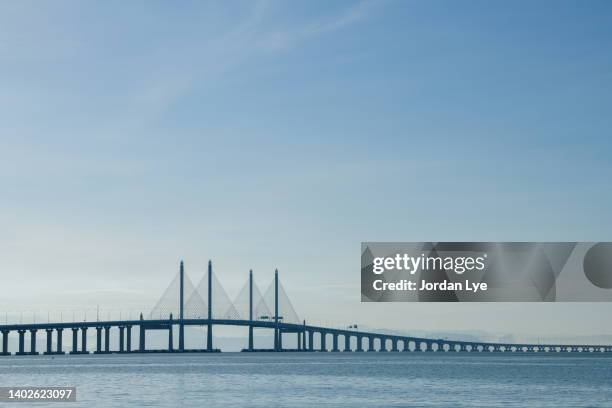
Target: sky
[[270, 134]]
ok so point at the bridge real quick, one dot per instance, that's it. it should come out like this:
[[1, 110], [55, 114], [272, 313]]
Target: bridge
[[250, 309]]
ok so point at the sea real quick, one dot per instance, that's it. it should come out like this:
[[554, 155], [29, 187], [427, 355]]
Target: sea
[[437, 379]]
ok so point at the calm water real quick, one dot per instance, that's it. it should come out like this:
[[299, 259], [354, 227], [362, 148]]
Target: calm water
[[319, 379]]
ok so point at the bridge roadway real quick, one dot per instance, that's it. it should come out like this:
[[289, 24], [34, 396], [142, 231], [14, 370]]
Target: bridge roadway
[[306, 335]]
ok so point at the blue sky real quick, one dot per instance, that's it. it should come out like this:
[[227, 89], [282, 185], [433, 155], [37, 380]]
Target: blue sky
[[282, 134]]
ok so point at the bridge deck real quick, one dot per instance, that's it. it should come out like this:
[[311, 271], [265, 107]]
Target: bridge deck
[[301, 329]]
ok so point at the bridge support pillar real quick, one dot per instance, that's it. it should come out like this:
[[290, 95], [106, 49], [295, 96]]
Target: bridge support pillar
[[280, 340], [383, 344], [75, 340], [170, 345], [394, 345], [209, 338], [406, 345], [371, 344], [98, 339], [21, 349], [347, 343], [49, 339], [181, 334], [141, 339], [250, 337], [107, 339], [5, 334], [323, 338], [276, 335], [21, 342], [33, 341], [59, 341], [84, 340], [428, 346], [121, 338], [299, 341], [359, 343], [128, 342], [310, 340], [335, 342]]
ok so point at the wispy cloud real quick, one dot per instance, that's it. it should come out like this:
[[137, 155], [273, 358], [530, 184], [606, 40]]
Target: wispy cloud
[[351, 15], [287, 38], [142, 86], [200, 61]]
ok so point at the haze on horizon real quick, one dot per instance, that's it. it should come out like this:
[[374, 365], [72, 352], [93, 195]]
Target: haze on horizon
[[281, 135]]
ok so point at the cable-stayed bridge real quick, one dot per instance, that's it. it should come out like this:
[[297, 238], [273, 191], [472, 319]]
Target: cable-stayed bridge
[[207, 304]]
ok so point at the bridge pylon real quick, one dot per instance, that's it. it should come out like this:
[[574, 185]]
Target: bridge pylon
[[251, 310], [277, 339], [209, 333], [181, 308]]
